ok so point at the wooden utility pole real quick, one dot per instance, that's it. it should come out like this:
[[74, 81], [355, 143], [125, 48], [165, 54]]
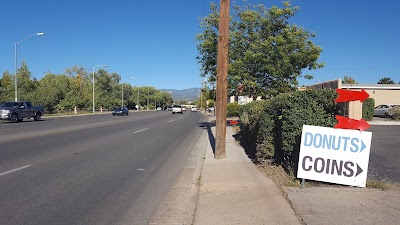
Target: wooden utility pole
[[205, 90], [222, 80]]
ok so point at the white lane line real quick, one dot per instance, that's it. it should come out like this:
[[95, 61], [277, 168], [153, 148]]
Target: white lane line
[[14, 170], [140, 130], [170, 121]]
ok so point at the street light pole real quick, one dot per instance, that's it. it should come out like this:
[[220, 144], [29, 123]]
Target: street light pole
[[137, 103], [122, 95], [16, 67], [138, 108], [148, 95], [93, 82]]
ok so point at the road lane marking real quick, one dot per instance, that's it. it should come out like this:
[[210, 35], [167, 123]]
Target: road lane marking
[[170, 121], [140, 130], [140, 169], [14, 170]]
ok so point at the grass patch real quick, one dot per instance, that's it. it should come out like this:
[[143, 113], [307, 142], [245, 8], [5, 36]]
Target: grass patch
[[382, 185], [279, 175]]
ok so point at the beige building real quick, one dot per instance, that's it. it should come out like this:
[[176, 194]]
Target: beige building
[[381, 93]]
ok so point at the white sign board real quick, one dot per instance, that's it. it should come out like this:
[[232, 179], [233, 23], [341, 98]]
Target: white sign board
[[334, 155], [242, 100]]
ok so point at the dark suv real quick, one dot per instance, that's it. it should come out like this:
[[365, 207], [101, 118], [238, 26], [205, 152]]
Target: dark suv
[[120, 111]]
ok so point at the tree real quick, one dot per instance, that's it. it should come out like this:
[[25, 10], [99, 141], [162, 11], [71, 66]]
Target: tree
[[386, 80], [348, 80], [79, 76], [51, 90], [26, 85], [6, 87], [267, 54]]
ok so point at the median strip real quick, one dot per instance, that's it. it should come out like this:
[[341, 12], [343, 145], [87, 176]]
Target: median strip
[[140, 130], [14, 170]]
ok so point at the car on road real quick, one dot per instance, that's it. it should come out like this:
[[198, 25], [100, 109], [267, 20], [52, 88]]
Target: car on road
[[384, 110], [158, 109], [18, 111], [120, 111], [194, 109], [177, 109]]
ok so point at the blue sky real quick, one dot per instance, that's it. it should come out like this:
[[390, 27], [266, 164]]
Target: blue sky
[[154, 41]]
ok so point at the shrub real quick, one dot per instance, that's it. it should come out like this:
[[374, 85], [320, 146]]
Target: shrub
[[233, 109], [264, 143], [368, 107], [292, 111], [395, 112], [250, 119], [274, 127]]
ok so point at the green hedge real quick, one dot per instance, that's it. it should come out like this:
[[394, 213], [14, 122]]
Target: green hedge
[[233, 109], [250, 119], [368, 107], [275, 126]]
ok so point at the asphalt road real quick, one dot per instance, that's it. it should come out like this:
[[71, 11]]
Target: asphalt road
[[94, 169], [384, 159]]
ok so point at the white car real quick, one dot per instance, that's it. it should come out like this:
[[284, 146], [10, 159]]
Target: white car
[[383, 110], [177, 109], [194, 109]]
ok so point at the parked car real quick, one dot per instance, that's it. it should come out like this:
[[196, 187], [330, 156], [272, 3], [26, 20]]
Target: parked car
[[120, 111], [194, 109], [384, 110], [177, 109], [158, 109], [17, 111]]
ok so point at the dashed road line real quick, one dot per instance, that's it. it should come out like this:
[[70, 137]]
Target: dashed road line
[[140, 130], [14, 170]]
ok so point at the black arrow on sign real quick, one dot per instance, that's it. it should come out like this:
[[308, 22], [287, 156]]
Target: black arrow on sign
[[359, 170]]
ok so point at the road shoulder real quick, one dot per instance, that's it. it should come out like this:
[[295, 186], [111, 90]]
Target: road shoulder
[[179, 205]]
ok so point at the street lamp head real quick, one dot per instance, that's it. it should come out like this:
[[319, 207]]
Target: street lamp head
[[39, 34]]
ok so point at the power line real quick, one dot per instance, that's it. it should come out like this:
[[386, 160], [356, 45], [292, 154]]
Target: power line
[[364, 68]]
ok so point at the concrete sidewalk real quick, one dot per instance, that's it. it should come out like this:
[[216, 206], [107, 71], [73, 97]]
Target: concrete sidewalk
[[234, 191]]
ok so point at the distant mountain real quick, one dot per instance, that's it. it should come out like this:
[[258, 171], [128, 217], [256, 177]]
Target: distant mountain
[[190, 94]]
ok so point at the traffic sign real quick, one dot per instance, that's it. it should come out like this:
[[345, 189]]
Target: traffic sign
[[334, 155]]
